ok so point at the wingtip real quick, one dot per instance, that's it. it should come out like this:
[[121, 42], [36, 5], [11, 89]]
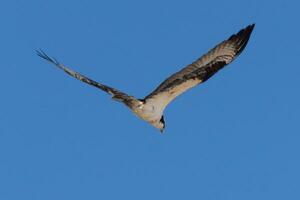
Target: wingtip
[[242, 37], [251, 26], [43, 55], [247, 30], [39, 52]]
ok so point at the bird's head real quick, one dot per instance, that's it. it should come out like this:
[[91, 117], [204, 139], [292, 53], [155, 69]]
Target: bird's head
[[160, 124]]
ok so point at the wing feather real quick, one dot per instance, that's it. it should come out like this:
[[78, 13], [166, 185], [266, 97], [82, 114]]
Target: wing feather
[[202, 69], [116, 94]]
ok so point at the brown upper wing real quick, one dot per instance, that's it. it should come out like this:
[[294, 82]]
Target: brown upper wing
[[202, 69]]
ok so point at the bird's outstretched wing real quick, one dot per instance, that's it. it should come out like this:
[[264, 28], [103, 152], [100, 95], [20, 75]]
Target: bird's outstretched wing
[[116, 94], [200, 70]]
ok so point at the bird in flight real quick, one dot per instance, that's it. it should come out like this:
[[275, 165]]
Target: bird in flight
[[151, 107]]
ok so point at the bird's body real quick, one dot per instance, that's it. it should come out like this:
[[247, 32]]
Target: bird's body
[[151, 108]]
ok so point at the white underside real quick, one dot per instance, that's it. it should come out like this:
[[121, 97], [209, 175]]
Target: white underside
[[154, 107]]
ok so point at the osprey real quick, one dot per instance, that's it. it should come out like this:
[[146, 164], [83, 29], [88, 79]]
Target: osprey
[[151, 107]]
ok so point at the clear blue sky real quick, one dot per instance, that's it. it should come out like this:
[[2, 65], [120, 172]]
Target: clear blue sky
[[235, 137]]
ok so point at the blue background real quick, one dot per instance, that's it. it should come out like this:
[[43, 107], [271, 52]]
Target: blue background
[[235, 137]]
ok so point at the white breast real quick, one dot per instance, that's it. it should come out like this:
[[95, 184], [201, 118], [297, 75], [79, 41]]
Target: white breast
[[148, 111]]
